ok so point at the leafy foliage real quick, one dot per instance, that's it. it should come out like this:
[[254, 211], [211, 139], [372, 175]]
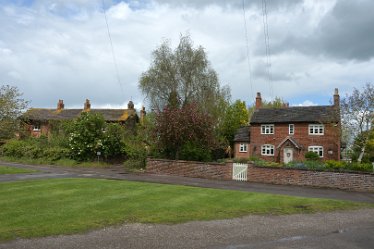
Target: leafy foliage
[[11, 106], [357, 112], [311, 156], [33, 149], [181, 77], [91, 134], [276, 103], [177, 129], [235, 116]]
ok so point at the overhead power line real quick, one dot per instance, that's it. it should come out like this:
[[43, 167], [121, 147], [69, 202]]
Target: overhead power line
[[267, 46], [112, 49], [247, 49]]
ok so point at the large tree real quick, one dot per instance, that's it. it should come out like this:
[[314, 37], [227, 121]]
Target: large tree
[[357, 111], [11, 106], [184, 133], [236, 115], [183, 76]]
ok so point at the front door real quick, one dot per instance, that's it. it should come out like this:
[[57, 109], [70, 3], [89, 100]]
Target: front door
[[287, 155]]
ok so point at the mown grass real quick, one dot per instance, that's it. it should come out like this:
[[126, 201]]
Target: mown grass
[[37, 208], [14, 170]]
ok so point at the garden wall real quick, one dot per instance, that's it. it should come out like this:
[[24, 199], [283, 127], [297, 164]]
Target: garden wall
[[348, 181], [363, 182], [189, 169]]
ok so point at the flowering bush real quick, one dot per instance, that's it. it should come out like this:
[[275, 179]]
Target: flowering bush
[[90, 134]]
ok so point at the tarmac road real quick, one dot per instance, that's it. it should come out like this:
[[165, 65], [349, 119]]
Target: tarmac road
[[343, 230]]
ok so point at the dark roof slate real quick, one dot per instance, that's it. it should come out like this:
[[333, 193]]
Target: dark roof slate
[[298, 114], [41, 114], [242, 134]]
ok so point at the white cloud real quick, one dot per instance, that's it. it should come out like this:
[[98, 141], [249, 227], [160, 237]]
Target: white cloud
[[307, 103], [60, 49]]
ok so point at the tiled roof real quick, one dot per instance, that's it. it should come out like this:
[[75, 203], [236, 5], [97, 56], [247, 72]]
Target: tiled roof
[[318, 114], [242, 134], [67, 114]]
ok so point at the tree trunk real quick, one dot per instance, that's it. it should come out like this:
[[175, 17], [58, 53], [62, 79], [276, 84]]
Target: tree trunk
[[359, 159]]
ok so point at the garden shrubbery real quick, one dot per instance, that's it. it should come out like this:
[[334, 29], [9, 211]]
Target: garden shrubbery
[[33, 148], [330, 165]]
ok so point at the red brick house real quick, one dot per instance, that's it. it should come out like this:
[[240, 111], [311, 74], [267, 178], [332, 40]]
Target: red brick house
[[38, 120], [286, 134], [241, 142]]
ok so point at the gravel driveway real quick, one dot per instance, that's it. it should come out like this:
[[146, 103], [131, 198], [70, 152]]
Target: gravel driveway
[[344, 230]]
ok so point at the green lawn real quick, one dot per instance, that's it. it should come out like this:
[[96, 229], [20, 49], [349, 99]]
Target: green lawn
[[63, 206], [14, 170]]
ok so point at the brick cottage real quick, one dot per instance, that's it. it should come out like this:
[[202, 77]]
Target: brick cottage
[[286, 134], [38, 121]]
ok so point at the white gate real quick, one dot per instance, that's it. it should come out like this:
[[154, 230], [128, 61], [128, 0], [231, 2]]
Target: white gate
[[239, 171]]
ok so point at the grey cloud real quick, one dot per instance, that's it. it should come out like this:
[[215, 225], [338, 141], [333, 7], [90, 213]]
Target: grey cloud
[[346, 33], [272, 5]]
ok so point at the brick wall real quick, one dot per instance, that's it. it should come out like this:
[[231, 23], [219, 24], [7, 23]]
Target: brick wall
[[237, 153], [346, 181], [189, 169]]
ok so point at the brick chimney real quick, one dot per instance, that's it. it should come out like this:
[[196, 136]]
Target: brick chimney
[[336, 98], [258, 101], [87, 105], [130, 105], [60, 105]]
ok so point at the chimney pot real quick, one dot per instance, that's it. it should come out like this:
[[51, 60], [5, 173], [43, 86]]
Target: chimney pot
[[87, 105], [336, 98], [258, 100], [60, 105], [130, 105]]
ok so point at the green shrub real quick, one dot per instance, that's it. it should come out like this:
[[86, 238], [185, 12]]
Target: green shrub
[[364, 167], [33, 149], [14, 148], [335, 165], [311, 156], [315, 165], [241, 160], [55, 153], [194, 152], [264, 163]]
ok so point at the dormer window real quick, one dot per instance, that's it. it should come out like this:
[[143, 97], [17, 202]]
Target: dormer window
[[316, 129], [267, 129]]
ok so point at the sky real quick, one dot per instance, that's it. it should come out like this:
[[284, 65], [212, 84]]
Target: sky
[[60, 49]]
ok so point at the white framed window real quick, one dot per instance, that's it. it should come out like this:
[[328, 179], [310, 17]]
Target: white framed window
[[267, 129], [243, 147], [291, 129], [316, 129], [36, 127], [316, 149], [267, 150]]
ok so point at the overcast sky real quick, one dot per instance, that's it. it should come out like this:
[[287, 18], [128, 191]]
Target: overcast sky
[[60, 49]]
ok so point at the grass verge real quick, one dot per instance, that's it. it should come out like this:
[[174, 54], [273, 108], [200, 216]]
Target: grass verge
[[38, 208], [14, 170], [61, 162]]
